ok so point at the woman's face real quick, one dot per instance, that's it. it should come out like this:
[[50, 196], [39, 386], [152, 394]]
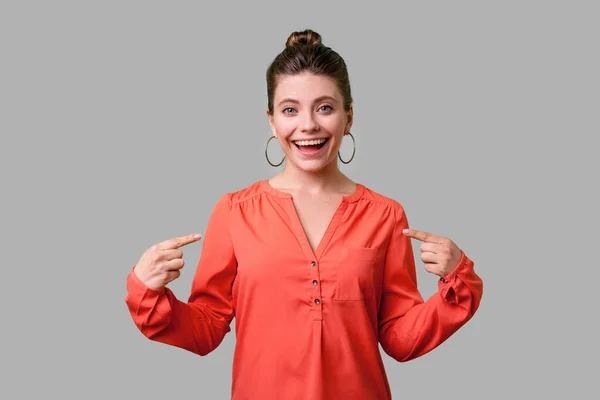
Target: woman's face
[[309, 120]]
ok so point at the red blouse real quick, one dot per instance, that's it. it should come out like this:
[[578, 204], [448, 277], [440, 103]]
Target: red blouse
[[308, 324]]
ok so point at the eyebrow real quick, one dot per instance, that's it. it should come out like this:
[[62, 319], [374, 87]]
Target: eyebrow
[[321, 98]]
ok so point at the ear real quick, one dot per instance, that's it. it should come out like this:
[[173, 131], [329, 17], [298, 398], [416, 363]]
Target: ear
[[271, 122], [349, 120]]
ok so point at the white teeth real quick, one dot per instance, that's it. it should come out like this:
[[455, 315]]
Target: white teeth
[[309, 142]]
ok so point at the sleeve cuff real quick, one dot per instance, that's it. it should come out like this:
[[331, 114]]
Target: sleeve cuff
[[447, 283]]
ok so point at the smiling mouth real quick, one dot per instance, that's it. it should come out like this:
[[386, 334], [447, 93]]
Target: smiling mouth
[[310, 144]]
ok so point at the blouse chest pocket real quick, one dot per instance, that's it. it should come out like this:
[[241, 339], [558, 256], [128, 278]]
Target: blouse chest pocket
[[355, 278]]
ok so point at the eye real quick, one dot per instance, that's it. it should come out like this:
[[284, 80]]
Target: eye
[[325, 108], [288, 110]]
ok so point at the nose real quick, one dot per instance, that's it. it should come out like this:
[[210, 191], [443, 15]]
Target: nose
[[309, 123]]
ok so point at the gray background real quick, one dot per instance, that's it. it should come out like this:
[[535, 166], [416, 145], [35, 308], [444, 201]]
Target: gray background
[[122, 123]]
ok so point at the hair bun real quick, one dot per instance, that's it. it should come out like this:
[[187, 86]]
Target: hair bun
[[299, 38]]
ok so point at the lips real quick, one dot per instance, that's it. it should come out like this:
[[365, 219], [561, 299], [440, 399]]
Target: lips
[[310, 143], [310, 151]]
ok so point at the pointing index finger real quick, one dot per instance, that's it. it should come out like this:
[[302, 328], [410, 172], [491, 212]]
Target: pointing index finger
[[422, 236], [180, 241]]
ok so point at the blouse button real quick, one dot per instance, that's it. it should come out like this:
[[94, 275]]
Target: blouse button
[[317, 301], [313, 263], [315, 282]]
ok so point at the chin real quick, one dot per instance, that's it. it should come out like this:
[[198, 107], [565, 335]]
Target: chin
[[312, 166]]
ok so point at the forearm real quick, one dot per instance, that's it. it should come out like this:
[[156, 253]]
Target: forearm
[[426, 325], [161, 317]]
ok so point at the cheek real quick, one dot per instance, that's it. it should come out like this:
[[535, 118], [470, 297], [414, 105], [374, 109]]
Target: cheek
[[284, 127], [333, 125]]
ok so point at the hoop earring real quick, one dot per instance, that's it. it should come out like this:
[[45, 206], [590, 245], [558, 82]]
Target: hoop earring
[[267, 155], [353, 151]]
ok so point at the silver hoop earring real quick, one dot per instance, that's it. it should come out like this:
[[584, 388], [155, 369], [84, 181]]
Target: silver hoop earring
[[353, 151], [267, 154]]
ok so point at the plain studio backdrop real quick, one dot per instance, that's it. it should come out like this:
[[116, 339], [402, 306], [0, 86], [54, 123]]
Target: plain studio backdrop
[[123, 122]]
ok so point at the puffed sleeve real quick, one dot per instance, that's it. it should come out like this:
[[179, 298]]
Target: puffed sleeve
[[409, 326], [200, 324]]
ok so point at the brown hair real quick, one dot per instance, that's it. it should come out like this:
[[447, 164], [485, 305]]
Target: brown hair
[[304, 51]]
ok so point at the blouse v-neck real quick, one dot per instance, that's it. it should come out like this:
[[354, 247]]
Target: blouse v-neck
[[299, 228]]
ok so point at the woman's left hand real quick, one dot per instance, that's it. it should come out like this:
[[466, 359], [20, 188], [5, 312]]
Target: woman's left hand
[[439, 253]]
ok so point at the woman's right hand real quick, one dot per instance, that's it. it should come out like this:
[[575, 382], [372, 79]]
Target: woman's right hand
[[162, 262]]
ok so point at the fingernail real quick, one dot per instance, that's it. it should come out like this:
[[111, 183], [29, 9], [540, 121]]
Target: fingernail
[[197, 236], [405, 230]]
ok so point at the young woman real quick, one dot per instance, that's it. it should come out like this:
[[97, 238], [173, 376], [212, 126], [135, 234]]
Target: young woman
[[317, 269]]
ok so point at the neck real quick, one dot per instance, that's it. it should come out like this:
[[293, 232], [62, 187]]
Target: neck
[[329, 178]]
